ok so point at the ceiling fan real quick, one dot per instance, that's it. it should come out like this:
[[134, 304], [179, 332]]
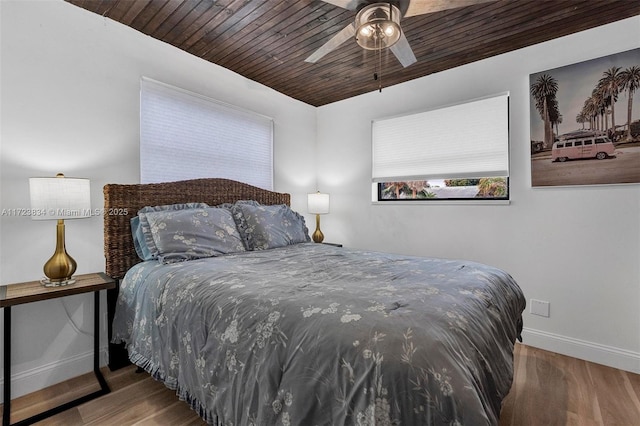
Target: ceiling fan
[[377, 25]]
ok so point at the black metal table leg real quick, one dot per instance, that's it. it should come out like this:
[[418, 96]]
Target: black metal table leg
[[6, 407], [104, 387]]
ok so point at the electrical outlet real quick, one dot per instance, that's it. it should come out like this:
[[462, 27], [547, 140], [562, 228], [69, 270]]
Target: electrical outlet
[[539, 307]]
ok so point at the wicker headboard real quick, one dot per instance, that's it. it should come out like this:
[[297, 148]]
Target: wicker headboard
[[122, 202]]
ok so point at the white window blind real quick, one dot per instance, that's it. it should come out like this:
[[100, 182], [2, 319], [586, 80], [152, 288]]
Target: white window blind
[[469, 140], [184, 135]]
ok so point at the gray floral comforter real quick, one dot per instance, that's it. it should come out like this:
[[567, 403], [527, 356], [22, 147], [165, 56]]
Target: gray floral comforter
[[312, 334]]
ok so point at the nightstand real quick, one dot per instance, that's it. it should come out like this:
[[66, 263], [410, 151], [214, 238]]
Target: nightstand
[[17, 294]]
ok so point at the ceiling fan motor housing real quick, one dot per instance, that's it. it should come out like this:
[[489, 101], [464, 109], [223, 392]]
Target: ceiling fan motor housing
[[378, 26]]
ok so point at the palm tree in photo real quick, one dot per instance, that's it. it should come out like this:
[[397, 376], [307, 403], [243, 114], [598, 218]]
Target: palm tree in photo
[[544, 91], [603, 106], [630, 81], [599, 109], [589, 112], [556, 118], [610, 84]]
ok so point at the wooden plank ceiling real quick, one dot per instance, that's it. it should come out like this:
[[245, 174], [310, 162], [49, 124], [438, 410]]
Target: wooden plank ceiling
[[268, 40]]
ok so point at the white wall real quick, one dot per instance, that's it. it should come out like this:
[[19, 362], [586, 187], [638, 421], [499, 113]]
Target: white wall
[[588, 269], [70, 103]]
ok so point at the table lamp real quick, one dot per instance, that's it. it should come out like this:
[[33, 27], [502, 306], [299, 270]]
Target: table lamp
[[318, 204], [59, 198]]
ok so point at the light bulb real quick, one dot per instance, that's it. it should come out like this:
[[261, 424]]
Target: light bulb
[[389, 30], [366, 31]]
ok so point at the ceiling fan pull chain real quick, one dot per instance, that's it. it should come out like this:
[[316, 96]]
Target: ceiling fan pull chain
[[380, 69], [375, 62]]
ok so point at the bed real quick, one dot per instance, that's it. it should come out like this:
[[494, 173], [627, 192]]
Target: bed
[[299, 333]]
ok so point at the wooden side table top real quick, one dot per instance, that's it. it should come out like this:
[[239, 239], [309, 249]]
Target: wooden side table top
[[33, 291]]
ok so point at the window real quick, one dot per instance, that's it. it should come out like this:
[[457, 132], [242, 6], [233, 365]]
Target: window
[[459, 152], [184, 135]]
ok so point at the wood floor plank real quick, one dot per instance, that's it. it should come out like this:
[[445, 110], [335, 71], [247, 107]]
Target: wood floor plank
[[581, 405], [632, 384], [548, 389], [69, 417], [553, 389], [176, 414], [617, 405], [127, 405]]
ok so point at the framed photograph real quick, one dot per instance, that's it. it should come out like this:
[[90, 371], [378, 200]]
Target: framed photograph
[[585, 122]]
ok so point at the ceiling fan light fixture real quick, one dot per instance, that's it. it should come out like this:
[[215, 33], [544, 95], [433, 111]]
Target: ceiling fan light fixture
[[378, 26]]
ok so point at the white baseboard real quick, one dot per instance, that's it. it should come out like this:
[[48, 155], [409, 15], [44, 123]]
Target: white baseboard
[[25, 382], [594, 352]]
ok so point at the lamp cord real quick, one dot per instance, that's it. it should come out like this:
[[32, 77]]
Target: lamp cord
[[73, 323]]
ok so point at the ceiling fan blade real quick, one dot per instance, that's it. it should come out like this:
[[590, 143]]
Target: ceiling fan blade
[[347, 32], [345, 4], [420, 7], [403, 51]]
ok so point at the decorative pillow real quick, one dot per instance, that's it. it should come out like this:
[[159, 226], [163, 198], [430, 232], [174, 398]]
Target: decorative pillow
[[142, 238], [181, 235], [241, 223], [264, 227]]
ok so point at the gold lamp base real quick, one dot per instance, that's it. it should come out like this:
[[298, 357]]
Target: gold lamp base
[[60, 267], [317, 235]]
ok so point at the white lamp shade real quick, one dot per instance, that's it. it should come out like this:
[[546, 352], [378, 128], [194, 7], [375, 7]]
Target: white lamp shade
[[318, 203], [59, 198]]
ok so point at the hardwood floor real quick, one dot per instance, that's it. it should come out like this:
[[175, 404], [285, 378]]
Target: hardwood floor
[[548, 389], [551, 389]]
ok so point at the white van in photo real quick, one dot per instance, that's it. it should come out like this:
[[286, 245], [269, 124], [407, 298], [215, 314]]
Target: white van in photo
[[597, 146]]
